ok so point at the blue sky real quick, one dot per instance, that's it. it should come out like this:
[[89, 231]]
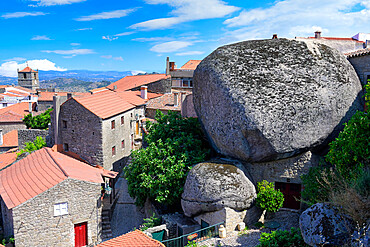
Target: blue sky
[[138, 35]]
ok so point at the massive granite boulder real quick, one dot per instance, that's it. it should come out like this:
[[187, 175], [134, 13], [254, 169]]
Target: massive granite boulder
[[264, 100], [211, 186], [322, 225]]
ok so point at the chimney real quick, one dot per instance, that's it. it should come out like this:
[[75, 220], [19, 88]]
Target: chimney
[[1, 137], [317, 34], [172, 66], [69, 95], [144, 92], [114, 87], [175, 99], [30, 107], [56, 109], [167, 66], [274, 36], [367, 44]]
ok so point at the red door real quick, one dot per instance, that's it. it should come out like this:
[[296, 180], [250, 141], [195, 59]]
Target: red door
[[290, 192], [81, 234]]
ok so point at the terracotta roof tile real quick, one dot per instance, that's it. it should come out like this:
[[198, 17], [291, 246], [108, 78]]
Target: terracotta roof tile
[[132, 239], [48, 96], [165, 102], [15, 113], [105, 105], [134, 97], [7, 158], [191, 65], [130, 82], [27, 69], [358, 53], [40, 171], [336, 38], [10, 139]]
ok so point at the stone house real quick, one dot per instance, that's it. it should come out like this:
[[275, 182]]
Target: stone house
[[29, 78], [182, 78], [11, 116], [51, 199], [360, 61], [101, 128], [10, 95]]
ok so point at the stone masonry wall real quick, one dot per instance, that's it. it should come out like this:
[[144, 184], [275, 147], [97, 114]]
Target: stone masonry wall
[[83, 132], [44, 105], [7, 127], [161, 86], [7, 219], [29, 135], [36, 225], [114, 137], [362, 67]]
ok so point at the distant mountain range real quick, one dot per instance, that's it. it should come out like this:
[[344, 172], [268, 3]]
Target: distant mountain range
[[83, 75]]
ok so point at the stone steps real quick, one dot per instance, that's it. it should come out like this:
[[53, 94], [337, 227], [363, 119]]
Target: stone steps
[[106, 227]]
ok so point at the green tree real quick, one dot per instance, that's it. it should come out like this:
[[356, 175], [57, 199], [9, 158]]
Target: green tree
[[268, 198], [38, 122], [33, 146], [159, 171]]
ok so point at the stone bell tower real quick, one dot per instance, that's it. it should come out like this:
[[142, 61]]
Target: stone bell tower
[[28, 78]]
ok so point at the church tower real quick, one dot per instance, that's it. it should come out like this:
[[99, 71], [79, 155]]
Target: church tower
[[28, 78]]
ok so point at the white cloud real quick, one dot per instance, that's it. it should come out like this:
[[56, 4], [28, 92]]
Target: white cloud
[[40, 37], [107, 15], [54, 2], [110, 38], [290, 18], [75, 44], [152, 39], [84, 29], [10, 68], [187, 10], [71, 52], [171, 46], [123, 34], [135, 72], [17, 59], [22, 14], [111, 57], [189, 53]]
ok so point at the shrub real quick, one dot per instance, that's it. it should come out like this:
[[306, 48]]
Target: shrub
[[38, 122], [159, 171], [268, 198], [151, 222], [33, 146], [281, 238]]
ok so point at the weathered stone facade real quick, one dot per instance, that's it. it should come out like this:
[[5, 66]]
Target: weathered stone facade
[[161, 86], [36, 225], [9, 126], [362, 67], [7, 219], [30, 135]]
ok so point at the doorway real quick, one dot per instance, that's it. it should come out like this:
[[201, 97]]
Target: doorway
[[81, 234], [291, 192]]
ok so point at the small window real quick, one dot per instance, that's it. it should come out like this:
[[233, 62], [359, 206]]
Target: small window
[[123, 144], [113, 150], [64, 124], [122, 120], [65, 146], [113, 124], [61, 209], [24, 75]]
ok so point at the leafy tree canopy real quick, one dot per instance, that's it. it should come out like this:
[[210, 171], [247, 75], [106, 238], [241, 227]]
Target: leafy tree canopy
[[159, 171], [268, 198], [33, 146], [38, 122]]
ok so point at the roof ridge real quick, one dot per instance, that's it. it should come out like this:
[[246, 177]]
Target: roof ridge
[[64, 172]]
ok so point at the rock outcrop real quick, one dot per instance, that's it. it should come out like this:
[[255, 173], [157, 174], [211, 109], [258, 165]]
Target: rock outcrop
[[214, 185], [322, 224], [265, 100]]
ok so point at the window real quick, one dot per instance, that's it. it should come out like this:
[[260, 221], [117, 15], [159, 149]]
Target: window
[[122, 120], [113, 150], [5, 104], [123, 144], [65, 146], [113, 124], [64, 124], [24, 75], [60, 209]]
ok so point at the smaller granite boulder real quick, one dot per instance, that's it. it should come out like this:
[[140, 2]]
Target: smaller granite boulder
[[214, 185], [323, 225]]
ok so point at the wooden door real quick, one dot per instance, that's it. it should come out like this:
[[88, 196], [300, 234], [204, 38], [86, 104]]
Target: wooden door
[[291, 192], [81, 234]]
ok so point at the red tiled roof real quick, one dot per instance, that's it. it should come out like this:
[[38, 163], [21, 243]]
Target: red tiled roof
[[15, 93], [132, 239], [40, 171], [134, 97], [335, 38], [10, 139], [105, 105], [358, 53], [48, 96], [98, 90], [7, 158], [27, 69], [191, 65], [130, 82], [165, 102], [15, 113]]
